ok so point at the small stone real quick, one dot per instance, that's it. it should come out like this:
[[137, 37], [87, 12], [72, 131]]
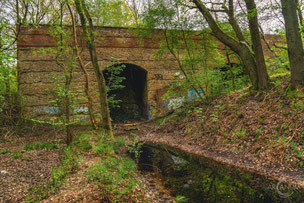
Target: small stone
[[3, 172], [190, 182]]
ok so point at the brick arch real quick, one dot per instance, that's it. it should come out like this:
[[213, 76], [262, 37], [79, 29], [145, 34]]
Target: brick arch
[[133, 95], [36, 69]]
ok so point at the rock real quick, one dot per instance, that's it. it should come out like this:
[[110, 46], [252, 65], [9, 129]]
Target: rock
[[190, 182], [3, 172]]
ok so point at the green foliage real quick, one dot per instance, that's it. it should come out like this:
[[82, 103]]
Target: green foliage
[[64, 98], [114, 81], [238, 134], [279, 64], [5, 151], [252, 13], [38, 193], [113, 13], [41, 146], [135, 147], [17, 155], [8, 67], [164, 120], [180, 198], [83, 143], [103, 147], [215, 115], [226, 79], [120, 141], [195, 59], [199, 112], [44, 189], [115, 175], [69, 162]]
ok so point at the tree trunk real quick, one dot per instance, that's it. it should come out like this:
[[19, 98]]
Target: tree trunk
[[84, 70], [241, 48], [249, 62], [69, 135], [89, 37], [6, 75], [252, 16], [300, 14], [294, 42], [230, 69]]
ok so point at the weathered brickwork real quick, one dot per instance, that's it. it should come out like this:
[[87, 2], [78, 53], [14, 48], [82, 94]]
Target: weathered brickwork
[[38, 70]]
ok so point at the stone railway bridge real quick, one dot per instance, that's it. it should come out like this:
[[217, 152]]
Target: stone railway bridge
[[146, 78]]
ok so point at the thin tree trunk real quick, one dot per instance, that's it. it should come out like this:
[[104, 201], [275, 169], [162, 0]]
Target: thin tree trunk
[[89, 37], [68, 80], [67, 120], [294, 42], [6, 76], [230, 70], [252, 16], [300, 14], [241, 48], [177, 58], [84, 70]]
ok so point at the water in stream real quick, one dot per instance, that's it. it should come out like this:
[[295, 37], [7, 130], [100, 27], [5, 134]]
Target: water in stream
[[195, 179]]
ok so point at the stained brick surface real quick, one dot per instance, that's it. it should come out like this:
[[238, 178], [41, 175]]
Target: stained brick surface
[[38, 70]]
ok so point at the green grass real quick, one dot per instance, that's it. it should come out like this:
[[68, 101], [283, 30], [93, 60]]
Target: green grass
[[181, 198], [42, 146], [17, 155], [69, 162], [5, 151], [114, 174]]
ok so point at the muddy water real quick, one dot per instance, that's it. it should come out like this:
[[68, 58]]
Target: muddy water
[[196, 179]]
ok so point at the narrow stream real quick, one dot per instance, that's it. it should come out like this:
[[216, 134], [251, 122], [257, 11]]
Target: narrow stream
[[196, 179]]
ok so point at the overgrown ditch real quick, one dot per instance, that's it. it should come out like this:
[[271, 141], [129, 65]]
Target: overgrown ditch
[[193, 178]]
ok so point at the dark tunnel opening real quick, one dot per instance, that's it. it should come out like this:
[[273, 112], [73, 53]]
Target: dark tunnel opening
[[133, 94]]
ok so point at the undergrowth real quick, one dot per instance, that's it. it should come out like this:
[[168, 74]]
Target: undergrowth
[[113, 174], [267, 124], [42, 146], [69, 162], [5, 151]]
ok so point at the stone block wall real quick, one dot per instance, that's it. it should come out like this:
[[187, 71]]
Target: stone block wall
[[38, 70]]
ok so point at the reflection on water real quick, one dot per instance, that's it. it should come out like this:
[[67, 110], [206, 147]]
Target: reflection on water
[[201, 180]]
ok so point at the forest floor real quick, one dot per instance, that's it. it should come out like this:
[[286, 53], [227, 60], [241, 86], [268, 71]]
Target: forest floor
[[22, 169], [27, 162], [261, 133]]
